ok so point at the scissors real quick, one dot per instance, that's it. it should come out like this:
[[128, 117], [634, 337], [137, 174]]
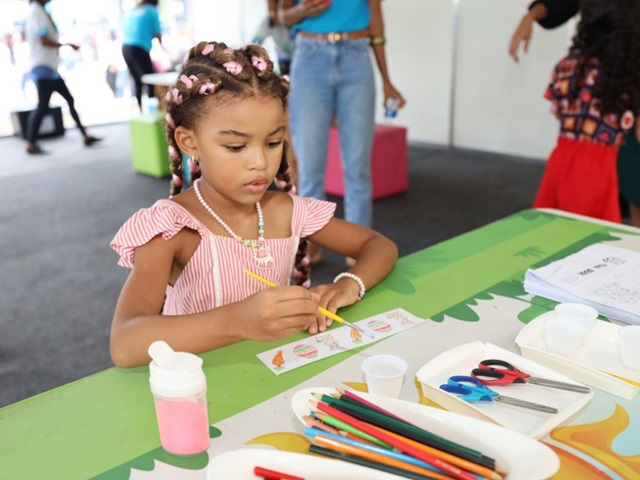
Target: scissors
[[471, 389], [499, 372]]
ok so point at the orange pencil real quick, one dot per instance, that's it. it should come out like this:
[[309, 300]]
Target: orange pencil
[[447, 457], [342, 447], [395, 442]]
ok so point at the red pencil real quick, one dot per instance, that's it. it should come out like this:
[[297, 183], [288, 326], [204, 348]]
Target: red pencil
[[273, 475], [391, 440]]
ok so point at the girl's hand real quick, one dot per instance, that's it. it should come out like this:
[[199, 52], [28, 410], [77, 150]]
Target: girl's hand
[[278, 312], [334, 296], [391, 92]]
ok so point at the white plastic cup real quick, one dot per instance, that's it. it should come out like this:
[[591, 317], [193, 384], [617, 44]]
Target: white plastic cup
[[583, 313], [384, 374], [629, 345], [563, 336], [179, 389]]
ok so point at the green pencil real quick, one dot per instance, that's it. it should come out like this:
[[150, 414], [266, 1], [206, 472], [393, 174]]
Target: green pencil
[[339, 424], [408, 430]]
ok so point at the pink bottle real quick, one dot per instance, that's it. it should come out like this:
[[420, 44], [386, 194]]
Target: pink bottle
[[179, 389]]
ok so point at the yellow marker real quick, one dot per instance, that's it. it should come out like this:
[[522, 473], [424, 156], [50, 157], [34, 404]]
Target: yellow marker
[[323, 311]]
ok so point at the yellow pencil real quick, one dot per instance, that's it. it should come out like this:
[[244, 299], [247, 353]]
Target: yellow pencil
[[324, 311]]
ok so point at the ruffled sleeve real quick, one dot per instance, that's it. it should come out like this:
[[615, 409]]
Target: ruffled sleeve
[[310, 215], [165, 218]]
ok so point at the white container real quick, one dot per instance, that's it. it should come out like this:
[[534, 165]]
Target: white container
[[564, 336], [583, 313], [179, 389], [629, 345], [384, 374]]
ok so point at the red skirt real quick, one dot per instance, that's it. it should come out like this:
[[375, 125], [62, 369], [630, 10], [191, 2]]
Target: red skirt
[[581, 177]]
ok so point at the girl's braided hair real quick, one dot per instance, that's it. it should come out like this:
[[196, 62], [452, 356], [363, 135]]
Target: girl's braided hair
[[609, 30], [213, 74]]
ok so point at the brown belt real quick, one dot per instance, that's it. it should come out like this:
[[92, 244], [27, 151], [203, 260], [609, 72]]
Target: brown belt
[[333, 37]]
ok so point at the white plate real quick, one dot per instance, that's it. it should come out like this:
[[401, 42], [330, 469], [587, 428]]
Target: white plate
[[238, 465], [464, 358], [523, 457], [592, 364]]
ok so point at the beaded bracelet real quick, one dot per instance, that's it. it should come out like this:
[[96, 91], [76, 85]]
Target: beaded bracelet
[[355, 277], [377, 40]]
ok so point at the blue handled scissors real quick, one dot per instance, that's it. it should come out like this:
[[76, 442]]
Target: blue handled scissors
[[471, 389]]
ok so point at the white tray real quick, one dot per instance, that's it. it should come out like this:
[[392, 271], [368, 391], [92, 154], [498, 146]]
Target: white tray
[[597, 363], [464, 358], [239, 464], [522, 457]]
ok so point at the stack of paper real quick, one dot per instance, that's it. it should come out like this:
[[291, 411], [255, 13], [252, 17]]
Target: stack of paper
[[603, 276]]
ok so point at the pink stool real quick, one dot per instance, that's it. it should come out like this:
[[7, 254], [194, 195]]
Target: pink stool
[[389, 170]]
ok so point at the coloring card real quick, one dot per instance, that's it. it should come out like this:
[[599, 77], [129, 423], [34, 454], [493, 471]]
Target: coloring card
[[335, 340]]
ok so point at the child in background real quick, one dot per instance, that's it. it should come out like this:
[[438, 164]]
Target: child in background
[[227, 113], [595, 93]]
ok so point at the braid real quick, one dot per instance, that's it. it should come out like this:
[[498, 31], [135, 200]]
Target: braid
[[214, 72], [608, 31]]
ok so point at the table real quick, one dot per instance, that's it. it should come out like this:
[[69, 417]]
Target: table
[[470, 287], [160, 83]]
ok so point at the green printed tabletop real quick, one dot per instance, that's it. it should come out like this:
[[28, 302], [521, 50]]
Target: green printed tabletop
[[104, 425]]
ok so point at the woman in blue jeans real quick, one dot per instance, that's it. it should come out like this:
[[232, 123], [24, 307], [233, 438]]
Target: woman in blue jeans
[[331, 74]]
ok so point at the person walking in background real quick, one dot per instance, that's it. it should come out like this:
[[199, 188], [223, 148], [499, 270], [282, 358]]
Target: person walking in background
[[595, 93], [42, 36], [331, 74], [140, 26], [551, 14], [189, 254]]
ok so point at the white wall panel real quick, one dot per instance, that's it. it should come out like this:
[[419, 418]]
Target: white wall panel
[[499, 104]]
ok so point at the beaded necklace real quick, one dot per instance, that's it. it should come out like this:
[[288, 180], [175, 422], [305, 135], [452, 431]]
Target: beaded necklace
[[261, 253]]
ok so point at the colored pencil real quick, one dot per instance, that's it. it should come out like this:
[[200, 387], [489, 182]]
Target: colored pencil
[[342, 447], [405, 429], [367, 463], [395, 442], [314, 423], [484, 460], [334, 422], [351, 397], [268, 474], [314, 433], [474, 468], [323, 311]]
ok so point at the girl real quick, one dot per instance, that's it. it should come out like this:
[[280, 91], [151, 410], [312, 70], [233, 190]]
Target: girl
[[227, 112], [595, 92]]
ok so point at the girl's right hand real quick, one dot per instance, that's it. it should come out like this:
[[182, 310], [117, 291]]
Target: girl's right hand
[[278, 312]]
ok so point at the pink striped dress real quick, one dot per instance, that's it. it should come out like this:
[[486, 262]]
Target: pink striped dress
[[215, 274]]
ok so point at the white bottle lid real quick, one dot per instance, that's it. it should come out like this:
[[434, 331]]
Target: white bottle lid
[[175, 374]]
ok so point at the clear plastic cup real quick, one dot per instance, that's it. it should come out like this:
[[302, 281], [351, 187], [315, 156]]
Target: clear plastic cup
[[629, 346], [583, 313], [564, 336], [384, 374]]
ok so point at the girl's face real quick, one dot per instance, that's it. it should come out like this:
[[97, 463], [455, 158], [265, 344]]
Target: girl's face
[[239, 148]]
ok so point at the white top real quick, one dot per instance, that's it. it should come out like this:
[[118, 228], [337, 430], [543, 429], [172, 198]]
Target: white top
[[38, 24]]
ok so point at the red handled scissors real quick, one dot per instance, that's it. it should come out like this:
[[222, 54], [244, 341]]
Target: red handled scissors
[[499, 372]]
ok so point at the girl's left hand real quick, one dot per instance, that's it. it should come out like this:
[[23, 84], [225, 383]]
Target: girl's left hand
[[334, 296]]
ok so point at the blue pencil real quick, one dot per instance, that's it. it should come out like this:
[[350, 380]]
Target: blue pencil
[[312, 432]]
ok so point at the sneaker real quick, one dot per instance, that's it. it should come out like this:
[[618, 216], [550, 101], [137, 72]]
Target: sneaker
[[36, 150], [91, 140]]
